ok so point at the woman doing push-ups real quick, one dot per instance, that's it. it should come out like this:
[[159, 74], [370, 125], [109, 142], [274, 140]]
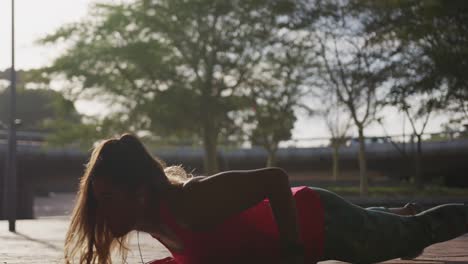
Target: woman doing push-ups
[[251, 216]]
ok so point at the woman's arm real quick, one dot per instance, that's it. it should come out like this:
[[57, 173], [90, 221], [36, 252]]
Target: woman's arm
[[213, 199]]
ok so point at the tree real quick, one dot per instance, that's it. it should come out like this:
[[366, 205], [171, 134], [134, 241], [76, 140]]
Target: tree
[[277, 88], [418, 106], [431, 39], [423, 113], [171, 66], [338, 122], [433, 35], [355, 69], [36, 108], [273, 125]]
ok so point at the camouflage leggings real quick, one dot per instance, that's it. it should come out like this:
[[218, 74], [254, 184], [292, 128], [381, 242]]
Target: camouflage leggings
[[357, 235]]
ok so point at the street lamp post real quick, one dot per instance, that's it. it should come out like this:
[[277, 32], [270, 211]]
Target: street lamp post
[[10, 192]]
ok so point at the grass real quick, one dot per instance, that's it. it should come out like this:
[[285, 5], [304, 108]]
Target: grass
[[397, 191]]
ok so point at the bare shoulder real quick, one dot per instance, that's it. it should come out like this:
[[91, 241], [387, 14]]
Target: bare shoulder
[[229, 179], [193, 181]]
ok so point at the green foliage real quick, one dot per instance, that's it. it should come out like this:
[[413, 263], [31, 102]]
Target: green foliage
[[171, 67], [355, 69], [193, 70], [66, 133], [277, 89], [273, 126], [433, 45], [36, 107], [42, 109]]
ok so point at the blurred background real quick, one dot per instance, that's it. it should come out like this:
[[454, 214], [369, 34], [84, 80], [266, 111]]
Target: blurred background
[[366, 98]]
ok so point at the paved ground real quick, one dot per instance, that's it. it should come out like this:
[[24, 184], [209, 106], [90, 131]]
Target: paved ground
[[41, 241]]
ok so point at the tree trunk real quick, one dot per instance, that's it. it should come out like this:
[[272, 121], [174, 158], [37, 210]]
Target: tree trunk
[[362, 163], [210, 142], [335, 161], [271, 161], [418, 181]]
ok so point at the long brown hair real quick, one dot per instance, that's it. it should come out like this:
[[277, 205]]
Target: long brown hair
[[129, 164]]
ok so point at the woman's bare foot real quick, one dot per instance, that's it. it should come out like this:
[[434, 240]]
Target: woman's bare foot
[[407, 210], [413, 208]]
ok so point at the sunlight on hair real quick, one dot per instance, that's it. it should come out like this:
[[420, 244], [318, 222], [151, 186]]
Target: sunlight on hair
[[89, 238]]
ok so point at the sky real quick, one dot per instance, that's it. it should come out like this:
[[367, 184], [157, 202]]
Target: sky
[[35, 19]]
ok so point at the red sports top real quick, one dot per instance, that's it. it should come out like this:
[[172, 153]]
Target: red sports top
[[251, 236]]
